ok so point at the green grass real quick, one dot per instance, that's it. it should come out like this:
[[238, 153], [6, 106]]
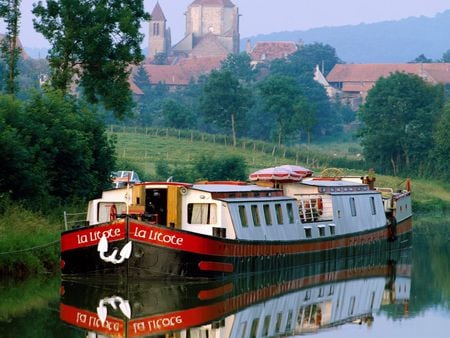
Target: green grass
[[145, 148], [29, 242]]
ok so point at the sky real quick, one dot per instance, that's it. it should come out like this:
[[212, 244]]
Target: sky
[[265, 16]]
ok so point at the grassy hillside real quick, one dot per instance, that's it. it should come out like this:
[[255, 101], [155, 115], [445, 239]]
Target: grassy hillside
[[144, 148]]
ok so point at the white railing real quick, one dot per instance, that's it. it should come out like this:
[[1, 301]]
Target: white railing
[[314, 208], [74, 220]]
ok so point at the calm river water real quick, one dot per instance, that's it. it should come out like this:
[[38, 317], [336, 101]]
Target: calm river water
[[388, 294]]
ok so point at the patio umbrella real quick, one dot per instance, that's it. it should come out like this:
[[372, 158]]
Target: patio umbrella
[[275, 174], [305, 172]]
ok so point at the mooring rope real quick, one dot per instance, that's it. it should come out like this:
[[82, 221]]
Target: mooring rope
[[30, 249]]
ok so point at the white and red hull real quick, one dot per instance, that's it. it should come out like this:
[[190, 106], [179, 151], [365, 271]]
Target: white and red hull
[[170, 253]]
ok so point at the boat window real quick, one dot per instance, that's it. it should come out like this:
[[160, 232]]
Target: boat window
[[290, 211], [106, 209], [279, 213], [243, 216], [372, 205], [278, 324], [255, 216], [353, 206], [266, 326], [242, 329], [254, 328], [202, 213], [332, 229], [267, 215], [321, 231], [289, 321], [308, 232]]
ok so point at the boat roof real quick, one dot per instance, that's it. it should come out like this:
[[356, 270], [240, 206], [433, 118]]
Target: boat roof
[[331, 183], [226, 188]]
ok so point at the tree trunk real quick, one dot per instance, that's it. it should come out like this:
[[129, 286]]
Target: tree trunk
[[394, 166], [233, 130], [280, 135]]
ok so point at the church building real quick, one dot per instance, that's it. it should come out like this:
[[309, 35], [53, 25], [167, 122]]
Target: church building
[[212, 29]]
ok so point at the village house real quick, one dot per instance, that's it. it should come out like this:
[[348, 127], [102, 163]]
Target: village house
[[350, 83]]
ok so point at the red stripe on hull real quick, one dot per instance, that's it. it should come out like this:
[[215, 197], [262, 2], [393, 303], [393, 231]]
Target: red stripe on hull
[[205, 245], [215, 266]]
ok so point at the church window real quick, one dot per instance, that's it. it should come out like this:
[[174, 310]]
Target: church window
[[155, 28]]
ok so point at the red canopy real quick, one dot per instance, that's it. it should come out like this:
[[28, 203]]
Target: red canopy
[[281, 173]]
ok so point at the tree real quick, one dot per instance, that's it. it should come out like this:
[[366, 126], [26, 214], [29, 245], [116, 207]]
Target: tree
[[141, 79], [10, 11], [93, 44], [421, 59], [279, 94], [305, 113], [440, 153], [55, 148], [398, 119], [305, 60], [225, 101], [220, 168], [239, 65], [176, 115], [446, 56]]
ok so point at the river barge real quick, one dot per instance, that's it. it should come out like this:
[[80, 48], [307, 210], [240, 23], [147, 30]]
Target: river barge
[[217, 229]]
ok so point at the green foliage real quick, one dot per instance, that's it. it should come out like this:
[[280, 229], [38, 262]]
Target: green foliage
[[421, 59], [96, 42], [176, 115], [221, 168], [225, 101], [53, 148], [399, 117], [280, 94], [22, 254], [10, 51], [142, 80], [440, 154], [301, 66], [239, 65], [446, 56]]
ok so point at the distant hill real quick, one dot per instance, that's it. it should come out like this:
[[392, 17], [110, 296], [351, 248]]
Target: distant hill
[[383, 42]]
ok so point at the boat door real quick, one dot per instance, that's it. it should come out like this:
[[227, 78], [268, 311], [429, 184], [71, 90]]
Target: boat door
[[156, 206]]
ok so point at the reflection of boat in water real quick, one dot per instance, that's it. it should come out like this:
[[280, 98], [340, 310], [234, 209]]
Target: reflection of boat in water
[[216, 229], [292, 301]]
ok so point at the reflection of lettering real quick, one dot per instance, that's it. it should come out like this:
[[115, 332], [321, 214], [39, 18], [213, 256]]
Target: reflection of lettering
[[95, 322], [157, 236], [157, 324], [95, 236]]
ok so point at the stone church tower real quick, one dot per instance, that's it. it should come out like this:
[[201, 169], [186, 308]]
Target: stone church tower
[[159, 36], [212, 28]]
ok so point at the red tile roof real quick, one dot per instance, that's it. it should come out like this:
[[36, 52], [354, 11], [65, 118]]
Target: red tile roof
[[268, 51], [184, 71], [433, 72]]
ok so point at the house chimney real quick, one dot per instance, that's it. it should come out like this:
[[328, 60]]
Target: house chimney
[[248, 46]]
